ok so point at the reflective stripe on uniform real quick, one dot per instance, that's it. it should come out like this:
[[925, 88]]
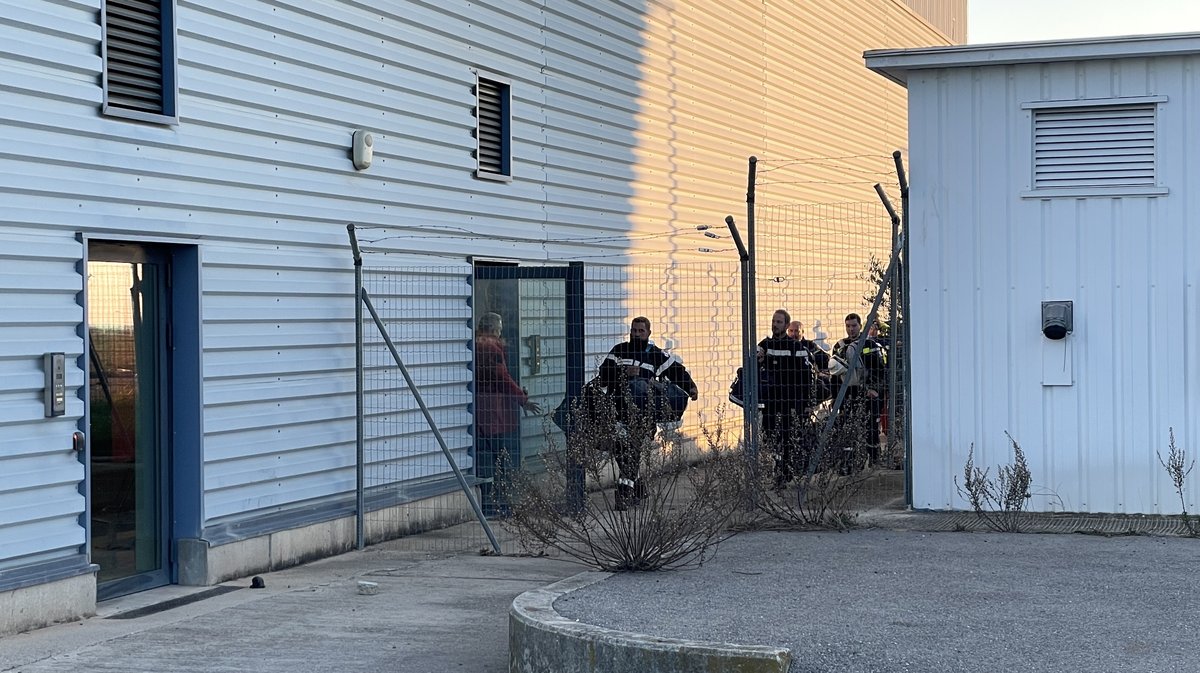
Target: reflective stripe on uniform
[[780, 352], [629, 362]]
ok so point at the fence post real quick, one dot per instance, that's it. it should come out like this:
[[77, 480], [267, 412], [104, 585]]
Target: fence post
[[904, 337], [750, 317], [749, 414], [360, 536], [576, 336]]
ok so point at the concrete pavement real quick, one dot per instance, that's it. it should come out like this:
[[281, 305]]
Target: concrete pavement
[[893, 599], [433, 612]]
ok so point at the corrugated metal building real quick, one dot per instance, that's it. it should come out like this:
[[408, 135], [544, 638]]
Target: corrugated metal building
[[1054, 171], [178, 178]]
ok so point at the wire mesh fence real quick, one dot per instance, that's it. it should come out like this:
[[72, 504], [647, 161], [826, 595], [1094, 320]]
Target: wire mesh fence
[[821, 263], [493, 350], [490, 350]]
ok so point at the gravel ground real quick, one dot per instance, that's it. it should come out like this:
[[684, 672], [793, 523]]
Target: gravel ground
[[880, 600]]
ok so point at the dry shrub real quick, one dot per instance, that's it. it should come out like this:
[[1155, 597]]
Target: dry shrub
[[1179, 468], [685, 498], [998, 502], [821, 493]]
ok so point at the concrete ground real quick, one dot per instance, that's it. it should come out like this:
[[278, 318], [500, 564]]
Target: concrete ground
[[877, 600], [895, 598], [432, 612]]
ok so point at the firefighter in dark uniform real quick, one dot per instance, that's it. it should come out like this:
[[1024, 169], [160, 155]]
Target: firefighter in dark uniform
[[787, 366], [864, 396], [629, 372]]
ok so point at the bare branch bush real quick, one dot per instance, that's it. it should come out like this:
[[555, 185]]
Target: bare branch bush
[[998, 502], [685, 495], [825, 499], [1179, 468]]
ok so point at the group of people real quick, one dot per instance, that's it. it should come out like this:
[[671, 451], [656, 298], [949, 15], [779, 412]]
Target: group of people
[[796, 374], [635, 373]]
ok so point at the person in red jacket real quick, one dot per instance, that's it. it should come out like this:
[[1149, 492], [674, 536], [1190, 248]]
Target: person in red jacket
[[498, 401]]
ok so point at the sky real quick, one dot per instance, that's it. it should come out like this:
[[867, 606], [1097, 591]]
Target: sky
[[1025, 20]]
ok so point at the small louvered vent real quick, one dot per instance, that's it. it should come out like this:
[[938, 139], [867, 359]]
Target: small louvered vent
[[492, 119], [134, 51], [1101, 146]]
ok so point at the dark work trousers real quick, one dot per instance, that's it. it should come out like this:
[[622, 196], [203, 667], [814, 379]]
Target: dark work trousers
[[497, 457], [627, 448], [778, 422], [862, 413]]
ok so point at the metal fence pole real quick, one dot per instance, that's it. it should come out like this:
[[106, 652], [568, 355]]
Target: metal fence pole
[[576, 344], [905, 336], [750, 310], [360, 537], [749, 361], [893, 352]]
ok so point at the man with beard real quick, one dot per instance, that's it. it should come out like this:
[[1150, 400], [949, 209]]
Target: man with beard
[[787, 365], [632, 372]]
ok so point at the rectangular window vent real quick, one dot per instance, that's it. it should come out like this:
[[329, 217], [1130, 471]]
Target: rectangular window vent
[[139, 57], [492, 132], [1094, 146]]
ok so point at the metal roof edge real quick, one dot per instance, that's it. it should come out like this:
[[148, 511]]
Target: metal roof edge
[[896, 63]]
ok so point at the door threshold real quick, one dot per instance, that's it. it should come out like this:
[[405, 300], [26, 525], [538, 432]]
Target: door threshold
[[157, 600]]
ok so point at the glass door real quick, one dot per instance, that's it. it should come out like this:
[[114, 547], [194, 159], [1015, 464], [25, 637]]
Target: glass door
[[542, 361], [525, 347], [127, 325]]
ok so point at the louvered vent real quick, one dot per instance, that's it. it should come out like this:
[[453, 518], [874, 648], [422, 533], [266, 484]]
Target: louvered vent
[[1101, 146], [134, 51], [491, 113]]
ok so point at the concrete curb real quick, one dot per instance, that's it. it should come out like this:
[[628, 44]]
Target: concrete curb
[[540, 640]]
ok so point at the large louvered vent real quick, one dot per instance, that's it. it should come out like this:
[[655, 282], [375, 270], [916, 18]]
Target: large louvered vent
[[492, 128], [133, 36], [1101, 146]]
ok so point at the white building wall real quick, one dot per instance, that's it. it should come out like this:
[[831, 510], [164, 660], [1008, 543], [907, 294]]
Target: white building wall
[[984, 258], [628, 118]]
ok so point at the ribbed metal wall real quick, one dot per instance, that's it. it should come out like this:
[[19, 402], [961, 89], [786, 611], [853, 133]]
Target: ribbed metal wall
[[629, 118], [950, 17], [39, 471], [984, 259]]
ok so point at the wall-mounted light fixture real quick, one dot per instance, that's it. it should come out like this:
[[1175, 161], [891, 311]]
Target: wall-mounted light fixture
[[363, 148]]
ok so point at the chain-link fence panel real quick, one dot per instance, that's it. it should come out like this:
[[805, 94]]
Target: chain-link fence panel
[[821, 263]]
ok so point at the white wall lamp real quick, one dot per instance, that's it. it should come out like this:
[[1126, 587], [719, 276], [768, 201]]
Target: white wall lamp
[[363, 146]]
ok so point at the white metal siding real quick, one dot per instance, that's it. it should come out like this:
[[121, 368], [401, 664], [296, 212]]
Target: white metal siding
[[983, 259], [39, 472], [627, 119]]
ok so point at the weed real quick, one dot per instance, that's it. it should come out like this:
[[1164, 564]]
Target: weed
[[1178, 468], [998, 502]]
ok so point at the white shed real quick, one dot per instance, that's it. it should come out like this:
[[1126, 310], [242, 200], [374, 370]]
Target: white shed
[[1046, 172]]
